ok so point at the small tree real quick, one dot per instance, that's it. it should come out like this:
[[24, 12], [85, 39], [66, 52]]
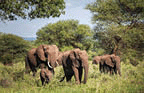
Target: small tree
[[66, 35], [12, 48], [121, 26]]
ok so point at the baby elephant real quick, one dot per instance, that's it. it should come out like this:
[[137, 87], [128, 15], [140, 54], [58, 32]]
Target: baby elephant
[[45, 75]]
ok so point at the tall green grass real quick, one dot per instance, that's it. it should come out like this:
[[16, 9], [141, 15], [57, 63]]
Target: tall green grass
[[131, 81]]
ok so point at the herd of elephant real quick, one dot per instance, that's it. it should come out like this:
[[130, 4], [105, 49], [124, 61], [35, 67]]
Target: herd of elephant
[[47, 57]]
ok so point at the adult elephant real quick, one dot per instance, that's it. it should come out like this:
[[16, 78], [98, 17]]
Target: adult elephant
[[73, 63], [108, 63], [63, 56], [116, 64], [44, 55]]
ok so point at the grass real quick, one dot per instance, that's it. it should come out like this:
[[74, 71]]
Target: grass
[[131, 81]]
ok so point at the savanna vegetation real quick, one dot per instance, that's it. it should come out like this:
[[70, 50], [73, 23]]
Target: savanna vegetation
[[119, 28]]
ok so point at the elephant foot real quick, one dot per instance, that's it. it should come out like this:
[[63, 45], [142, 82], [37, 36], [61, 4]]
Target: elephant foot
[[34, 75], [77, 82]]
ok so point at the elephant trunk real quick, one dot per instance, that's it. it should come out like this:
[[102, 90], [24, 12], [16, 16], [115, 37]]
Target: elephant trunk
[[85, 73], [49, 65], [118, 68]]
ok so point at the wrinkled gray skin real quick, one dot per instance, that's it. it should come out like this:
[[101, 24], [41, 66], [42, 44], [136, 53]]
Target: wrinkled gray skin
[[44, 55], [73, 63], [45, 75], [108, 63]]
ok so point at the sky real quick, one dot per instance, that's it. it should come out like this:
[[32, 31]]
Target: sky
[[75, 9]]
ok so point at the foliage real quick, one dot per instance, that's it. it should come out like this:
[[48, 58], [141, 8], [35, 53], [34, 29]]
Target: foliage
[[12, 9], [132, 80], [67, 33], [117, 11], [119, 27], [12, 48]]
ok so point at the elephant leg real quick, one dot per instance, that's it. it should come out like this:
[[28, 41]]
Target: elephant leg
[[42, 80], [34, 71], [27, 65], [76, 74], [100, 68], [68, 77], [115, 70], [119, 71], [62, 79], [118, 68], [103, 69], [80, 74], [111, 71]]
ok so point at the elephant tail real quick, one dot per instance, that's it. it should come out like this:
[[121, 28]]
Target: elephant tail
[[27, 67], [86, 67]]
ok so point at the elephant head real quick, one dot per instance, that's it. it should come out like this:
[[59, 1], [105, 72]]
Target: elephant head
[[45, 75], [48, 53], [107, 60], [96, 60], [60, 58], [116, 61], [80, 59], [115, 58]]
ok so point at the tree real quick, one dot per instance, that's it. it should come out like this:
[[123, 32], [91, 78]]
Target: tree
[[31, 9], [12, 48], [66, 35], [122, 26]]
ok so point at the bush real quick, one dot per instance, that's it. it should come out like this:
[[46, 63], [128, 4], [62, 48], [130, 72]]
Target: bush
[[12, 48]]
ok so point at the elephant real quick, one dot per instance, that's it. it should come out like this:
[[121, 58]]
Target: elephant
[[62, 58], [108, 63], [44, 55], [45, 75], [116, 64], [73, 63], [96, 60]]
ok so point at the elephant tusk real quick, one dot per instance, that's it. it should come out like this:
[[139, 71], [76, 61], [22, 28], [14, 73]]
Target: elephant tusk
[[49, 65], [57, 63]]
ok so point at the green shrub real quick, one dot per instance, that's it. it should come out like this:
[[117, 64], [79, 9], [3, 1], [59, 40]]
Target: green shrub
[[12, 48]]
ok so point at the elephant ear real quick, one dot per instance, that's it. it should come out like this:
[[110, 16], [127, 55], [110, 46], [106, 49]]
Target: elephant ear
[[96, 59], [40, 53], [113, 58], [74, 57], [109, 62]]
